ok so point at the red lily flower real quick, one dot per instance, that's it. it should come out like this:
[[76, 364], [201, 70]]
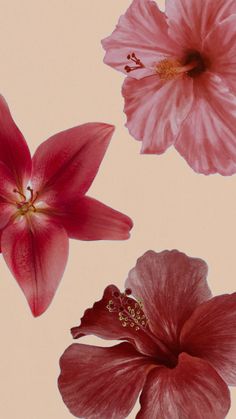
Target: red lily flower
[[42, 203], [180, 349]]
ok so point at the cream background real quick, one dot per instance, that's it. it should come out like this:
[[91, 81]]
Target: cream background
[[53, 77]]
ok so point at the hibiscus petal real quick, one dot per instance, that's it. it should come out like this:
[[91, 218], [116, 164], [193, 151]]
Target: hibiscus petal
[[142, 30], [191, 390], [155, 110], [36, 253], [102, 382], [207, 138], [210, 333], [220, 47], [99, 321], [88, 219], [14, 151], [65, 165], [170, 285], [190, 21]]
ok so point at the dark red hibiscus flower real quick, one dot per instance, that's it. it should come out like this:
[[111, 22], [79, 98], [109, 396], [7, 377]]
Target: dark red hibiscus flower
[[43, 203], [180, 349]]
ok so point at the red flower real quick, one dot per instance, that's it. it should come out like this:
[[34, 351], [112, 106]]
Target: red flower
[[181, 84], [42, 203], [180, 349]]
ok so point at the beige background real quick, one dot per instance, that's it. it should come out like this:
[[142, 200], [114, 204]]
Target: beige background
[[52, 75]]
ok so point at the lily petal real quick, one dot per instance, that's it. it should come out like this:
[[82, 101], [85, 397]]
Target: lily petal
[[14, 152], [88, 219], [152, 116], [170, 285], [118, 375], [65, 165], [212, 120], [190, 20], [191, 390], [36, 253], [142, 30], [8, 197], [210, 333]]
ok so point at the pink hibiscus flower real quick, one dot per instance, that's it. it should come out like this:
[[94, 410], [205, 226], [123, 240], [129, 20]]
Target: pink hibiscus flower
[[181, 85], [180, 349], [42, 203]]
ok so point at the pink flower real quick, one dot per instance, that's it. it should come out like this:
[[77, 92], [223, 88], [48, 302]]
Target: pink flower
[[179, 349], [181, 85], [42, 203]]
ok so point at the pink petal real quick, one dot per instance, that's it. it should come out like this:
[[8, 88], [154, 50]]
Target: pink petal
[[101, 382], [88, 219], [155, 110], [141, 30], [207, 139], [170, 285], [192, 390], [220, 47], [14, 152], [210, 333], [106, 325], [36, 253], [65, 165], [190, 21]]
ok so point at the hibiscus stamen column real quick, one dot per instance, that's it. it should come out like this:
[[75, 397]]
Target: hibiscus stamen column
[[131, 314]]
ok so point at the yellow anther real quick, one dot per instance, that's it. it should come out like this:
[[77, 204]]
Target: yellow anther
[[168, 69]]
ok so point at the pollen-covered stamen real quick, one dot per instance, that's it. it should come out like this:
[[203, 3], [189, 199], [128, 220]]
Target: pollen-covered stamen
[[191, 65], [25, 205], [137, 61], [169, 69], [130, 312]]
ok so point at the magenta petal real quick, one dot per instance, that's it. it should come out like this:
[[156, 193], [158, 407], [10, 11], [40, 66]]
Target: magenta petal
[[192, 390], [210, 333], [141, 30], [14, 152], [212, 148], [36, 253], [6, 212], [88, 219], [190, 21], [65, 165], [151, 116], [106, 325], [101, 383], [170, 285], [7, 195]]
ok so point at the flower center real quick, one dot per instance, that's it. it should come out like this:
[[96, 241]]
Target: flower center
[[130, 312], [25, 205], [192, 65]]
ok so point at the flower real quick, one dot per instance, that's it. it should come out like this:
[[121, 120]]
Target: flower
[[179, 350], [43, 203], [181, 84]]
